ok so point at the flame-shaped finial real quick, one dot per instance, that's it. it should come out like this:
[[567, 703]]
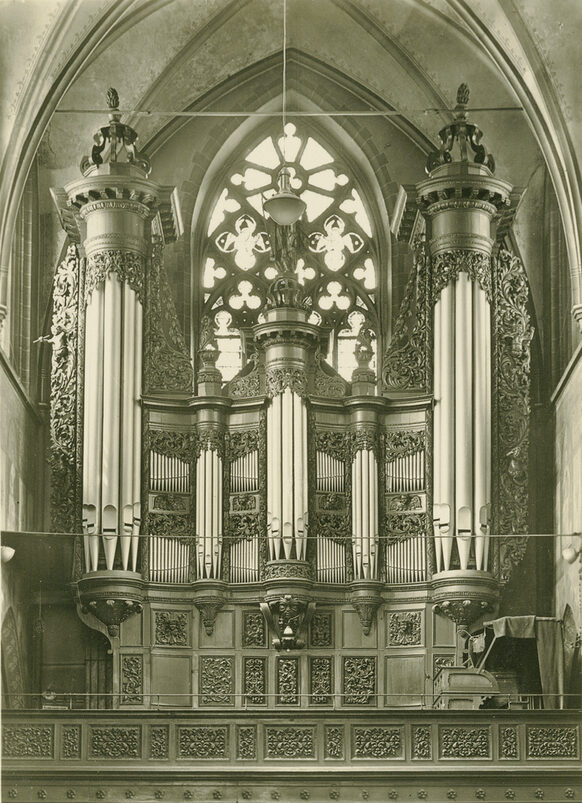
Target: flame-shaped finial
[[112, 98], [463, 95], [119, 137], [465, 134]]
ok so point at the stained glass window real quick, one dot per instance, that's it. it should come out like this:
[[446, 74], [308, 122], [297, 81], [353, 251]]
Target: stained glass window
[[336, 258]]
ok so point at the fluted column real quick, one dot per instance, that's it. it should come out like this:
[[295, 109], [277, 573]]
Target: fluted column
[[287, 459], [109, 212], [209, 514], [460, 201], [116, 250]]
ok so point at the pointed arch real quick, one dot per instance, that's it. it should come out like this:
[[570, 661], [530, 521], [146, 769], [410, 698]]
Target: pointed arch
[[346, 227]]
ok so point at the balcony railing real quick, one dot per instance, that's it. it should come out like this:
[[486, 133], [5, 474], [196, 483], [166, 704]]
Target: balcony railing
[[66, 741]]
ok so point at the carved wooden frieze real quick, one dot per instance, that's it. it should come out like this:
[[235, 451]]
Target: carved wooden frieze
[[556, 742], [288, 681], [28, 741], [406, 362], [464, 742], [243, 502], [241, 442], [508, 742], [321, 680], [333, 442], [512, 334], [290, 742], [115, 742], [376, 742], [132, 679], [359, 680], [254, 630], [440, 661], [246, 742], [66, 394], [405, 629], [255, 680], [216, 680], [71, 741], [334, 741], [159, 741], [167, 364], [321, 630], [171, 628], [422, 742], [203, 742]]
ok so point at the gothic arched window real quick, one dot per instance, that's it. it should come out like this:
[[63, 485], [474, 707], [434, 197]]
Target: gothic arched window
[[336, 260]]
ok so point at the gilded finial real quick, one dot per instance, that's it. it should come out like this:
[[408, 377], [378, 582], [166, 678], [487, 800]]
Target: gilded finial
[[112, 99], [463, 95], [465, 134], [118, 137]]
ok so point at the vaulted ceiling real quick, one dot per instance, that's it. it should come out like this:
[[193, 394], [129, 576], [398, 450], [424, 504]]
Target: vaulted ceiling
[[408, 56]]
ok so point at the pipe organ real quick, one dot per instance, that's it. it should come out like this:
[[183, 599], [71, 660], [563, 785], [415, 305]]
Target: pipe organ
[[244, 473], [405, 473], [113, 375], [209, 476], [292, 493], [365, 532], [168, 473], [331, 489]]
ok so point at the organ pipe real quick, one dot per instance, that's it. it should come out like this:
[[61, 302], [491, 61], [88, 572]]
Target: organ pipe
[[112, 424], [209, 534], [462, 440], [365, 514], [287, 482]]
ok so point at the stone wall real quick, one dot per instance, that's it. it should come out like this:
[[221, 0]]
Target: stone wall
[[568, 479]]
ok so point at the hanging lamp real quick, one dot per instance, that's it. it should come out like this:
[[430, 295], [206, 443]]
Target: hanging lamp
[[285, 207]]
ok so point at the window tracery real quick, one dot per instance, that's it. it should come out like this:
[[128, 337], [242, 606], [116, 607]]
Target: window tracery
[[335, 258]]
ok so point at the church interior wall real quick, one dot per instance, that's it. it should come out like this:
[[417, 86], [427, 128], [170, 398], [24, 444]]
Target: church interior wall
[[172, 653]]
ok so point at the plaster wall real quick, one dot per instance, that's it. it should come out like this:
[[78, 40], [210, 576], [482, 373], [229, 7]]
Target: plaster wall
[[21, 507], [568, 504]]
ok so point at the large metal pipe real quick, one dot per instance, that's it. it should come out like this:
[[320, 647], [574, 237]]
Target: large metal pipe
[[463, 416]]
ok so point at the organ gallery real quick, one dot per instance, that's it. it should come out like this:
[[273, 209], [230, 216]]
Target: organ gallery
[[297, 537]]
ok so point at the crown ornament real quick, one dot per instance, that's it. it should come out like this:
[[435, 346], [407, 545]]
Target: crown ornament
[[464, 134], [120, 138]]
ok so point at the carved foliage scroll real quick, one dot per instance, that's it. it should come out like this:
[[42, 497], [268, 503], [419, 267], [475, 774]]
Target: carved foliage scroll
[[406, 365], [28, 741], [288, 681], [203, 742], [216, 681], [511, 408], [278, 379], [321, 680], [255, 680], [359, 680], [128, 266], [290, 742], [171, 628], [464, 742], [254, 630], [448, 264], [115, 742], [167, 362], [65, 392], [377, 742], [405, 628], [132, 679]]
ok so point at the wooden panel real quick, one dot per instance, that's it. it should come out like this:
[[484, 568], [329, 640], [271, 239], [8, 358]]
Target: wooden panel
[[223, 634], [171, 680], [404, 676], [443, 631], [352, 633]]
